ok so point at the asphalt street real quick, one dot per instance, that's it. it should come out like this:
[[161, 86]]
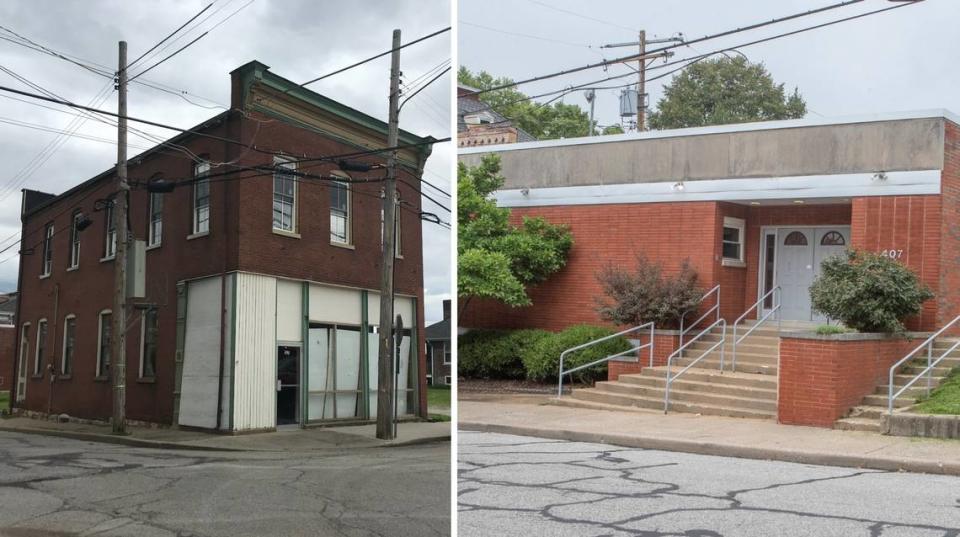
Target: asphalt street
[[58, 487], [524, 486]]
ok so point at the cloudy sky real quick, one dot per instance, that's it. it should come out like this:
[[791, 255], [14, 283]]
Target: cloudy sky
[[904, 59], [298, 39]]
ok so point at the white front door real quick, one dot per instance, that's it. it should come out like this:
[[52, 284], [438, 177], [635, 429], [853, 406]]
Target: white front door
[[797, 255], [795, 272]]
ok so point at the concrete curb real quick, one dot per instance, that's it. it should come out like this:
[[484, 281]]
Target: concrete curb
[[418, 441], [725, 450], [112, 439]]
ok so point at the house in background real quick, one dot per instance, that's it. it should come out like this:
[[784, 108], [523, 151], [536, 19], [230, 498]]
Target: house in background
[[478, 124], [260, 306], [439, 347], [8, 311]]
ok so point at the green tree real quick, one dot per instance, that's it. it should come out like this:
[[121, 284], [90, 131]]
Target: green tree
[[723, 91], [612, 129], [544, 122], [497, 259]]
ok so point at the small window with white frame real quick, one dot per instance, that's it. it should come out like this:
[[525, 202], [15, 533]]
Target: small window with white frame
[[284, 196], [155, 225], [446, 380], [41, 347], [340, 212], [110, 233], [446, 353], [733, 240], [201, 198], [103, 343], [75, 239], [47, 250], [69, 344]]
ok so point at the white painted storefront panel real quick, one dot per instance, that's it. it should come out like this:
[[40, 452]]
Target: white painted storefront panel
[[289, 316], [201, 355], [334, 305], [255, 359], [402, 305]]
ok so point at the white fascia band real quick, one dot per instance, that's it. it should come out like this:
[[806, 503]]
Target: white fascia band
[[906, 183]]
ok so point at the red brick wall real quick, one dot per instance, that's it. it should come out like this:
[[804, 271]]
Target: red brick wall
[[822, 379], [8, 336], [665, 232], [948, 302], [664, 343]]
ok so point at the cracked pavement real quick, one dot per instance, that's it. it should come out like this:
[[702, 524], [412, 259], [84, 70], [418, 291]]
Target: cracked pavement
[[525, 486], [59, 487]]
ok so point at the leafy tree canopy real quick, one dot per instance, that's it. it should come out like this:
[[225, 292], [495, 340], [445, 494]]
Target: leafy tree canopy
[[723, 91], [545, 122], [497, 259]]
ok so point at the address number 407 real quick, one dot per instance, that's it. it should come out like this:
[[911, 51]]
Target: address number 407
[[892, 254]]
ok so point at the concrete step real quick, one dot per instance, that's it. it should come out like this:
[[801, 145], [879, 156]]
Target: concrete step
[[752, 339], [770, 350], [596, 396], [710, 376], [713, 363], [757, 358], [881, 400], [686, 384], [858, 424], [902, 380], [750, 402], [867, 412], [915, 370], [913, 392]]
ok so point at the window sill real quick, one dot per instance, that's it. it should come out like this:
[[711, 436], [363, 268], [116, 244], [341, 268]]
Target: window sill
[[284, 233], [44, 276], [154, 246], [343, 245], [101, 379], [733, 263], [198, 235], [146, 380], [105, 259], [36, 377], [73, 268], [64, 377]]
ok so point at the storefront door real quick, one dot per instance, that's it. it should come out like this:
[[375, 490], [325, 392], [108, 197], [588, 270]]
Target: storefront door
[[797, 254]]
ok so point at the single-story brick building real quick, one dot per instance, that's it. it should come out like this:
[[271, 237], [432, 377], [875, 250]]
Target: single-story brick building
[[753, 206]]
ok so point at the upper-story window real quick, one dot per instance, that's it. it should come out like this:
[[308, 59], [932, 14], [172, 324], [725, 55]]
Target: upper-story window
[[47, 250], [201, 198], [155, 229], [75, 239], [340, 212], [110, 233], [285, 196]]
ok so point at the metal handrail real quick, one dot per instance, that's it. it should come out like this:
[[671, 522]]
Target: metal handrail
[[716, 307], [564, 354], [777, 300], [723, 339], [928, 343]]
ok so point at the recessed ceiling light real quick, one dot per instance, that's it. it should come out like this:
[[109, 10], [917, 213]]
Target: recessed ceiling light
[[754, 203], [798, 201]]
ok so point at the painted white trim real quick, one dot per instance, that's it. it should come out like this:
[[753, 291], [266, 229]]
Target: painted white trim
[[934, 113], [904, 183], [23, 362], [741, 226]]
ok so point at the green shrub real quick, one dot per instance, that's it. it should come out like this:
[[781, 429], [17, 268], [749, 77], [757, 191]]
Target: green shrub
[[542, 359], [868, 292], [645, 295], [830, 329], [495, 353]]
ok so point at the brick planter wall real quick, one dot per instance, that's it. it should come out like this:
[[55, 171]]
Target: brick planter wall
[[664, 343], [823, 377]]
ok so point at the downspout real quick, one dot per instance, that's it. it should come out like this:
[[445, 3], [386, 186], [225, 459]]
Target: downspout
[[223, 287]]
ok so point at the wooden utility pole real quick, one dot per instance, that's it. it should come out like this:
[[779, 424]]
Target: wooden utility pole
[[385, 378], [118, 359], [642, 82]]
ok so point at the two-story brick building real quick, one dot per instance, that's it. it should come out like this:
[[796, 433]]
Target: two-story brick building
[[262, 265]]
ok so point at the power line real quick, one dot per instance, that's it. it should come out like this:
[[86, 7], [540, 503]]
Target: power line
[[528, 36], [580, 15], [431, 81], [662, 50], [171, 34], [371, 58]]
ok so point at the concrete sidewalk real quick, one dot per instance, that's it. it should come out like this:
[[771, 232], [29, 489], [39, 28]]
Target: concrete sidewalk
[[709, 435], [294, 439]]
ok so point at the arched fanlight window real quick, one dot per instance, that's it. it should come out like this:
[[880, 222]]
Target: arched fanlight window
[[795, 238], [833, 238]]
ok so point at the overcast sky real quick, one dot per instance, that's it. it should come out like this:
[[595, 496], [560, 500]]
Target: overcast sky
[[298, 39], [905, 59]]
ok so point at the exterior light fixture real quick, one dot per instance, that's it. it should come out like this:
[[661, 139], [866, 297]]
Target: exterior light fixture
[[798, 202], [679, 186], [83, 222], [880, 176], [525, 191], [754, 203], [160, 186]]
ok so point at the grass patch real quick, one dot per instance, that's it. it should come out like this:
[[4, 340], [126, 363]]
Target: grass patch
[[945, 399], [438, 396], [434, 418], [831, 329]]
